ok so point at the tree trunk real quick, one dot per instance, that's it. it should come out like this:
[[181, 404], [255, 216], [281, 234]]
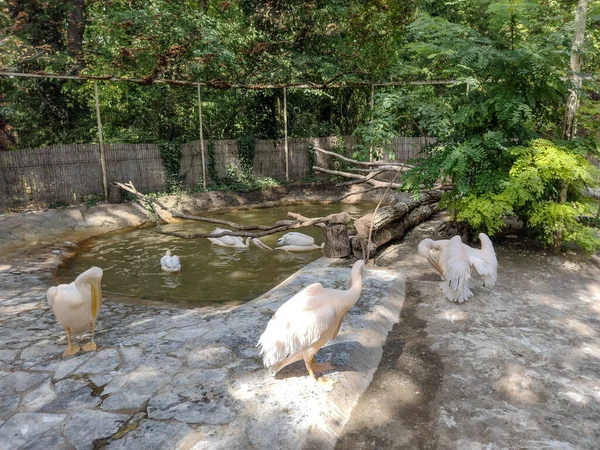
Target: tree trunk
[[392, 222], [337, 242], [76, 28], [570, 125]]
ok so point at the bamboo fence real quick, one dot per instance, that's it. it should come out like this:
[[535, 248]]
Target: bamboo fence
[[71, 174]]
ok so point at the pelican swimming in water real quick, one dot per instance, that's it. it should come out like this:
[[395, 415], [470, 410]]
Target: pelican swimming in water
[[170, 263], [306, 322], [235, 241], [76, 306], [455, 261], [297, 242]]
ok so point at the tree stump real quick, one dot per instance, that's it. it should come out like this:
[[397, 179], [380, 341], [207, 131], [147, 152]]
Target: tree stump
[[115, 195], [337, 242]]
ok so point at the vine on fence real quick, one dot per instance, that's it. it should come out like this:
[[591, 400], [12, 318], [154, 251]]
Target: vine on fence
[[212, 162], [312, 159], [170, 152], [246, 147]]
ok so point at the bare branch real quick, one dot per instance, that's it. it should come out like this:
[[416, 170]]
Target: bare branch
[[364, 179], [361, 163]]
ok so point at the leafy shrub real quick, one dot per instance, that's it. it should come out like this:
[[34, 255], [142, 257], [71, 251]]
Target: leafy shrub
[[544, 189]]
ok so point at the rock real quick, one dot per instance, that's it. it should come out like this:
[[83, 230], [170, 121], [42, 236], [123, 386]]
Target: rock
[[170, 406], [89, 425], [8, 404], [102, 362], [125, 400], [152, 434], [205, 358], [55, 442], [69, 385], [200, 377], [26, 427], [20, 381], [40, 396], [66, 366], [81, 398]]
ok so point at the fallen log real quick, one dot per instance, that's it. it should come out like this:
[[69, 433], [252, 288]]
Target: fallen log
[[391, 223]]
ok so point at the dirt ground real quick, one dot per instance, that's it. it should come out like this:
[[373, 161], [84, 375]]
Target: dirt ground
[[517, 367]]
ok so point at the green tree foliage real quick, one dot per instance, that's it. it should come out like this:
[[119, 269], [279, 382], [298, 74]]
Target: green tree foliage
[[218, 42], [509, 60]]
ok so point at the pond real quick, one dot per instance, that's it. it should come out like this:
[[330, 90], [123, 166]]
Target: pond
[[209, 274]]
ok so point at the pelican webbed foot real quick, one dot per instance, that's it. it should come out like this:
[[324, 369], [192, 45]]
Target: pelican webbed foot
[[325, 382], [90, 346], [71, 350]]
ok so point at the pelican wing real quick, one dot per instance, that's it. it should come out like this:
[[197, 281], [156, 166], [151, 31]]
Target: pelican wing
[[297, 324], [295, 238], [51, 295], [483, 266], [457, 270]]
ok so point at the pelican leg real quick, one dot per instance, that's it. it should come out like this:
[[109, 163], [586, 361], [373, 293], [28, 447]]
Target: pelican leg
[[322, 380], [71, 349], [90, 345]]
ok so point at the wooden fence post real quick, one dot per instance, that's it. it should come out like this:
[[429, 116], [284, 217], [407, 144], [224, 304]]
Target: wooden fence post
[[372, 125], [102, 159], [201, 139], [287, 175]]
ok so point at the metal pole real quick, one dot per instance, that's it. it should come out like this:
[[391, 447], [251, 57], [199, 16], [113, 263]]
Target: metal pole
[[102, 160], [287, 175], [201, 139], [372, 127]]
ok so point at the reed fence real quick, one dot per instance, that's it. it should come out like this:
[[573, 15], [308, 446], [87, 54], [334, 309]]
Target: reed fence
[[71, 174]]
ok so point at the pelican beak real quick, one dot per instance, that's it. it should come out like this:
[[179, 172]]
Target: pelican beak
[[261, 244], [436, 266], [96, 297]]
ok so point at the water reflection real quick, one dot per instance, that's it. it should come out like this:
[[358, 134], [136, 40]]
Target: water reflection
[[209, 274]]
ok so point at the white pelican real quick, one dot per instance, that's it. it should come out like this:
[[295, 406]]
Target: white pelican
[[170, 263], [234, 241], [297, 242], [455, 261], [306, 322], [76, 306]]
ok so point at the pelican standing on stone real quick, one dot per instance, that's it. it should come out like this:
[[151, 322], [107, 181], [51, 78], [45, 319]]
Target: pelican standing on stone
[[170, 263], [455, 261], [234, 241], [306, 322], [76, 306], [297, 242]]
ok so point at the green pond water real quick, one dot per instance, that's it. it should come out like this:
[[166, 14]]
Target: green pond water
[[209, 274]]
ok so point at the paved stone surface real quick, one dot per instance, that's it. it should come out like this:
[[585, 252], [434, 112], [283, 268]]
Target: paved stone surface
[[177, 378], [515, 367]]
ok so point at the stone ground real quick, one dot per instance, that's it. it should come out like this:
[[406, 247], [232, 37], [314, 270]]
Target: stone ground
[[166, 378], [517, 367]]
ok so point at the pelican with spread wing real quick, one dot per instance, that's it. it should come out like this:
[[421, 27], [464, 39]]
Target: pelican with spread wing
[[76, 306], [306, 322], [454, 260]]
